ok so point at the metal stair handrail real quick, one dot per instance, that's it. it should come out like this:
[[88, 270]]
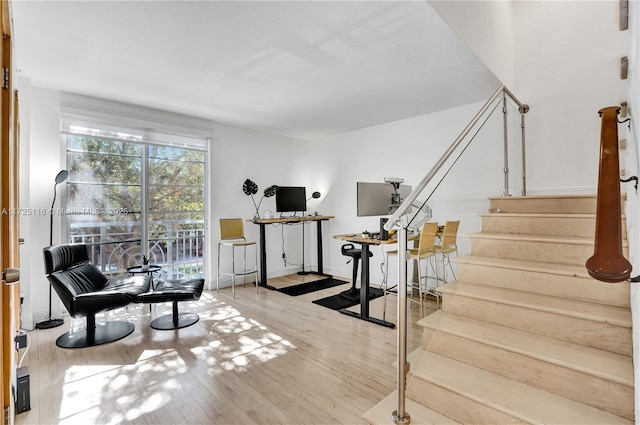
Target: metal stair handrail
[[401, 416], [406, 204]]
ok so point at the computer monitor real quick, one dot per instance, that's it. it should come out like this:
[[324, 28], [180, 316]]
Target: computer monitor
[[291, 199], [376, 199]]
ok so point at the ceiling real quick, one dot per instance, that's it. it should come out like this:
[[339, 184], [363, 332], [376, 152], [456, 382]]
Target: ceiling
[[298, 69]]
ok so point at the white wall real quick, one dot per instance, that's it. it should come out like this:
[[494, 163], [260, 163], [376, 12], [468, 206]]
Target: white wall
[[42, 141], [267, 160], [567, 68], [563, 62], [489, 30], [406, 149], [24, 88], [235, 154]]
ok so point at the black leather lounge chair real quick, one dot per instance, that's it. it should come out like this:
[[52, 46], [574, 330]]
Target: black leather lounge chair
[[85, 291]]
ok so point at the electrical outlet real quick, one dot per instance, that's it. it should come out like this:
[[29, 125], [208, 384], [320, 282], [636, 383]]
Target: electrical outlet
[[21, 340]]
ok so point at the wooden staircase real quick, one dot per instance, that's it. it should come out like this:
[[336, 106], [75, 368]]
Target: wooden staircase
[[525, 335]]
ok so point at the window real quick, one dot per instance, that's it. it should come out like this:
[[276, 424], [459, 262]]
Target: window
[[129, 197]]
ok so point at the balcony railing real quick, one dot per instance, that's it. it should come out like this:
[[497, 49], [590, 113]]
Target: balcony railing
[[178, 247]]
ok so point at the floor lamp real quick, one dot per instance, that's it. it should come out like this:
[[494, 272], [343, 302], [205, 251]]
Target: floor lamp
[[315, 195], [52, 323]]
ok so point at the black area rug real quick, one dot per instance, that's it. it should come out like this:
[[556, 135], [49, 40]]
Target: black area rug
[[305, 288], [337, 302]]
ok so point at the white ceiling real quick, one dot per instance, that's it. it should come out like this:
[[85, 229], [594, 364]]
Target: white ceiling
[[299, 69]]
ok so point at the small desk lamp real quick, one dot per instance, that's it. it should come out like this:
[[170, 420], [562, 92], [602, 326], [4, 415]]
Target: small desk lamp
[[52, 323], [314, 195]]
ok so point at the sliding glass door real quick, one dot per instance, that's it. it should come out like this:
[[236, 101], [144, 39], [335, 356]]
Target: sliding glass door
[[128, 198], [175, 205]]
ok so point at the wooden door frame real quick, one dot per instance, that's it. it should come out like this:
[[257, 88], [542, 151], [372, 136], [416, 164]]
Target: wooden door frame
[[9, 245]]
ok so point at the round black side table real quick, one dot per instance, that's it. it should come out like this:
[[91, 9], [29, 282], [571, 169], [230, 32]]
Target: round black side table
[[152, 268]]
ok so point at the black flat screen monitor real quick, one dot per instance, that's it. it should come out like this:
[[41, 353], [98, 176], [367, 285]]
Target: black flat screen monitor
[[291, 199], [375, 199]]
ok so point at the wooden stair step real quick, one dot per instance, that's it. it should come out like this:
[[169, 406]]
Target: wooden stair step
[[603, 364], [381, 413], [569, 240], [560, 280], [548, 363], [446, 385], [567, 204], [589, 311], [509, 237], [591, 324], [569, 225], [535, 266], [563, 250]]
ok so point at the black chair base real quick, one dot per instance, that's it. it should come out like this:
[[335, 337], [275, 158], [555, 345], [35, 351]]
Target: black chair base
[[103, 333], [167, 322], [49, 324], [352, 294], [174, 291]]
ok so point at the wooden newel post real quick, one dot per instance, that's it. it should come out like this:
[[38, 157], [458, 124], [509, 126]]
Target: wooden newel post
[[608, 264]]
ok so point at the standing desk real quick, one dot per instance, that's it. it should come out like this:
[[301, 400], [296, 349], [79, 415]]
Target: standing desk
[[262, 222], [364, 277]]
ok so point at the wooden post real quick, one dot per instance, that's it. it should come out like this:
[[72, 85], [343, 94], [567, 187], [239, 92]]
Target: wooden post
[[608, 264]]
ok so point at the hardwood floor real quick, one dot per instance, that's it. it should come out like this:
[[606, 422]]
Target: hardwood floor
[[264, 358]]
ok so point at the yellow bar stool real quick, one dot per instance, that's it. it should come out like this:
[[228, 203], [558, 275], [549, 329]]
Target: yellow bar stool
[[425, 250], [448, 246], [232, 236]]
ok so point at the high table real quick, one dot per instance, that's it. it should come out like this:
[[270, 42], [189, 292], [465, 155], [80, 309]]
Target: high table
[[262, 222], [364, 276], [149, 271]]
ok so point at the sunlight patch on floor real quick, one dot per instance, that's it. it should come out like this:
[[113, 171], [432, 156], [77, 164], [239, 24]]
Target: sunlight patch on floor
[[233, 342], [238, 342], [136, 389], [81, 391]]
